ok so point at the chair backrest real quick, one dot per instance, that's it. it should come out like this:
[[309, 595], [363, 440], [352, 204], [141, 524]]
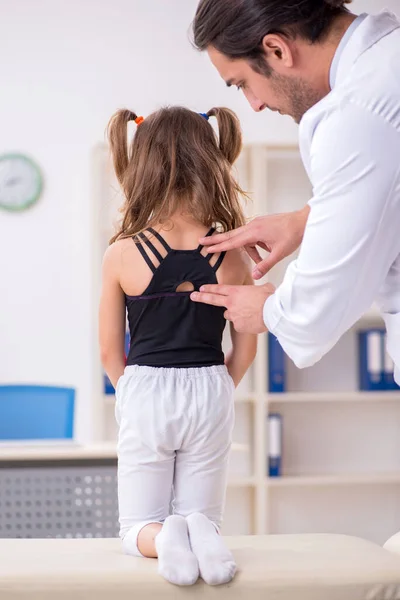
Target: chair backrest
[[30, 412]]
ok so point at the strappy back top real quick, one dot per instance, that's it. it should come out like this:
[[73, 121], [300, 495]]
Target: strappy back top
[[166, 328]]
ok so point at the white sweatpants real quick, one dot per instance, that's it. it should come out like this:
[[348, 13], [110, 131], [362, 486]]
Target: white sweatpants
[[175, 433]]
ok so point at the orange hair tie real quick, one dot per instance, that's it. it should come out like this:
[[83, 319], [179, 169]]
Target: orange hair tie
[[139, 120]]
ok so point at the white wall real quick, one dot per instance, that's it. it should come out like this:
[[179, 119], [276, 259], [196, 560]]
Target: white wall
[[66, 66]]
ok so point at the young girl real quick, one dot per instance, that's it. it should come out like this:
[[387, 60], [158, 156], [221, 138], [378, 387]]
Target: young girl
[[175, 395]]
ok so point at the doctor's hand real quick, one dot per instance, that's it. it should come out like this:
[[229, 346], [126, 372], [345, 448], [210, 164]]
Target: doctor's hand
[[279, 234], [244, 304]]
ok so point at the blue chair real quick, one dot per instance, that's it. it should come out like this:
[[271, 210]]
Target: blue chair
[[29, 412]]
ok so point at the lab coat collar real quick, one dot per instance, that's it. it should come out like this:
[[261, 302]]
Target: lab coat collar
[[368, 33]]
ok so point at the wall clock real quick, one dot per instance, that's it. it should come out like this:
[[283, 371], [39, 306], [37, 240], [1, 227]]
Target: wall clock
[[21, 182]]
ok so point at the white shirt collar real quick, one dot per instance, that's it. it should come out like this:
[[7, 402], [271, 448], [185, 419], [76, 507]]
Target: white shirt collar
[[370, 30], [341, 47]]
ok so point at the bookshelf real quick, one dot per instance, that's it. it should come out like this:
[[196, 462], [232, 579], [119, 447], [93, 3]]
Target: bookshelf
[[334, 480], [341, 447], [304, 397]]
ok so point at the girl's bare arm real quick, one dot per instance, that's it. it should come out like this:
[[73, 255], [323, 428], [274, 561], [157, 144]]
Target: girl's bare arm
[[112, 317]]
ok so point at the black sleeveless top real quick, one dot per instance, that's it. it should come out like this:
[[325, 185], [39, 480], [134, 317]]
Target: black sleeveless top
[[168, 329]]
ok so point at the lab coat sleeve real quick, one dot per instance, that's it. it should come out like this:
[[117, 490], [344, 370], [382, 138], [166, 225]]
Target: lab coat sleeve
[[351, 238]]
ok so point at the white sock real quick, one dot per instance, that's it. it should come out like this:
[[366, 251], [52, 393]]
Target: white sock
[[216, 562], [176, 562]]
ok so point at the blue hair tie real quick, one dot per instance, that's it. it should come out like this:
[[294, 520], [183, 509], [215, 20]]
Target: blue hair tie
[[205, 116]]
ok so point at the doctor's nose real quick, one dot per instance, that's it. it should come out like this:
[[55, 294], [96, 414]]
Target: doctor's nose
[[256, 104]]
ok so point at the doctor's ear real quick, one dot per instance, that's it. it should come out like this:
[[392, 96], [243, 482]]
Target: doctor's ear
[[277, 51]]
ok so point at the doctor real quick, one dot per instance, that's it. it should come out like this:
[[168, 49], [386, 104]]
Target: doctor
[[338, 76]]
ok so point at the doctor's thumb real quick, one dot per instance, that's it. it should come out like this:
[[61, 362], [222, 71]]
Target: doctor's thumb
[[265, 265]]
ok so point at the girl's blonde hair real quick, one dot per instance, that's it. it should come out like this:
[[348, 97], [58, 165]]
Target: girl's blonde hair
[[176, 161]]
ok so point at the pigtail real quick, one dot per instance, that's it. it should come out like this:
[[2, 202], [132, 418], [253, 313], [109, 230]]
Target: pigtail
[[230, 133], [117, 136]]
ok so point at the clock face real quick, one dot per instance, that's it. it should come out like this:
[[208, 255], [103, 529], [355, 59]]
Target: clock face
[[20, 182]]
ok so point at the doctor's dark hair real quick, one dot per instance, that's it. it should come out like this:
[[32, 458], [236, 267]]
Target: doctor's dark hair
[[236, 28], [176, 161]]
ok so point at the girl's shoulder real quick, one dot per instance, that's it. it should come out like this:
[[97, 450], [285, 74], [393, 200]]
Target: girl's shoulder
[[123, 260], [121, 245], [115, 252]]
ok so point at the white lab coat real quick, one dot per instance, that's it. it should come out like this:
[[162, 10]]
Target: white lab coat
[[350, 255]]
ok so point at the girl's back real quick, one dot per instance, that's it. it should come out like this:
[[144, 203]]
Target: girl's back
[[157, 271], [182, 234]]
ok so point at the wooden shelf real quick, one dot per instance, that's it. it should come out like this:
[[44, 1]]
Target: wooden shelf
[[245, 399], [239, 482], [109, 398], [236, 447], [334, 480], [308, 397], [305, 397], [372, 316]]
